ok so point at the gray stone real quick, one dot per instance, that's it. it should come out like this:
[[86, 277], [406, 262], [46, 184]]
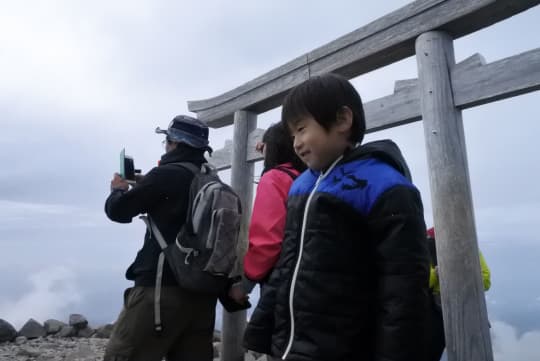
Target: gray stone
[[32, 329], [263, 358], [66, 331], [53, 326], [48, 358], [28, 351], [81, 352], [255, 354], [20, 340], [104, 331], [7, 331], [78, 321], [258, 356], [217, 348], [85, 332], [249, 357]]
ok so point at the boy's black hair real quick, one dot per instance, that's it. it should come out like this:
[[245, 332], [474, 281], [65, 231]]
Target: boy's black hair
[[322, 97], [279, 148]]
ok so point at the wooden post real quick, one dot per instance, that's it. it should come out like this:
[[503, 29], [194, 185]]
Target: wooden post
[[463, 302], [234, 324]]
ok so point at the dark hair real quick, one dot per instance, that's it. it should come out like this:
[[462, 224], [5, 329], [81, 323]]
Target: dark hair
[[322, 97], [279, 148]]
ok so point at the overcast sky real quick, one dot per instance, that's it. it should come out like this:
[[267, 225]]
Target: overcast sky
[[81, 80]]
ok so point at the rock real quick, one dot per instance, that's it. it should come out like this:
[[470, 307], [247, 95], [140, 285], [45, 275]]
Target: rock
[[249, 357], [217, 348], [104, 331], [28, 351], [256, 355], [85, 332], [82, 352], [77, 321], [20, 340], [7, 331], [217, 336], [263, 358], [66, 331], [32, 329], [53, 326]]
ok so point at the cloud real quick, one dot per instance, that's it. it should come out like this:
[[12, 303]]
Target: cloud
[[517, 217], [27, 215], [69, 55], [52, 290], [509, 346]]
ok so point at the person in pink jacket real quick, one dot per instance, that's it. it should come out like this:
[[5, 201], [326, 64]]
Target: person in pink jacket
[[281, 167]]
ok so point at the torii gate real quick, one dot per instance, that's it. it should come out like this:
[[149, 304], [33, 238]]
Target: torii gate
[[425, 28]]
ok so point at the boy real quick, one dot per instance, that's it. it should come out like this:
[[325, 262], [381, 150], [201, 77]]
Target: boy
[[351, 281]]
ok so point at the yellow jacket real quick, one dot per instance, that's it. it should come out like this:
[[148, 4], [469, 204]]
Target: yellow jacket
[[486, 276]]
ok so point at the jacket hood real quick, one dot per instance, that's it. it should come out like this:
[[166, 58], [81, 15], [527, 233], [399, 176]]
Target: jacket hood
[[384, 150]]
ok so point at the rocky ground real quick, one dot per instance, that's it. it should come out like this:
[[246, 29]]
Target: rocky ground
[[52, 348], [73, 341]]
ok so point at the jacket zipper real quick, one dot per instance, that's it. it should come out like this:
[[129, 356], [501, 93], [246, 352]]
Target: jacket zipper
[[300, 251]]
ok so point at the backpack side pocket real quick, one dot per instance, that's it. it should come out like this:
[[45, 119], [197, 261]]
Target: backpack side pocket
[[224, 256]]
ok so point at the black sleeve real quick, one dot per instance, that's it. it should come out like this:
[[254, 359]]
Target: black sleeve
[[402, 264], [258, 333], [122, 206]]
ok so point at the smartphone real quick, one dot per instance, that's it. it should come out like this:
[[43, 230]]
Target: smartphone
[[127, 167]]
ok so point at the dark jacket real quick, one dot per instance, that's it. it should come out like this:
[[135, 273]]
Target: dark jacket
[[163, 194], [356, 274]]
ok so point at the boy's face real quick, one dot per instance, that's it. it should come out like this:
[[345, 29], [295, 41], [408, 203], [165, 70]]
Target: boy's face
[[316, 146]]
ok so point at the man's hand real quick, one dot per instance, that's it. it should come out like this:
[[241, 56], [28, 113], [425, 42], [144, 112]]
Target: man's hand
[[118, 183], [238, 294]]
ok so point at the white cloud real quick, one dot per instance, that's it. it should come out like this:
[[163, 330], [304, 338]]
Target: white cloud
[[515, 219], [48, 55], [42, 215], [509, 346], [53, 289], [63, 56]]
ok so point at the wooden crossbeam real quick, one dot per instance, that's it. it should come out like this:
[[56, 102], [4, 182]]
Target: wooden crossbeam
[[382, 42], [473, 81]]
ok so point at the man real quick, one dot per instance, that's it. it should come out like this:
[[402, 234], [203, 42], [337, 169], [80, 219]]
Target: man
[[187, 318]]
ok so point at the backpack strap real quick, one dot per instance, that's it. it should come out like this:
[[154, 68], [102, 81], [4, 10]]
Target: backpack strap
[[152, 228], [286, 170]]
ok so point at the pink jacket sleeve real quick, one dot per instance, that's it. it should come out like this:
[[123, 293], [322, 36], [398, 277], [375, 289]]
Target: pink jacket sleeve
[[267, 224]]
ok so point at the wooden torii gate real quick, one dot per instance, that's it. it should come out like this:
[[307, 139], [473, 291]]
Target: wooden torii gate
[[425, 28]]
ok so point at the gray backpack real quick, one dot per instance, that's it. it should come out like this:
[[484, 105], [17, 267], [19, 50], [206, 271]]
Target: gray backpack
[[205, 250]]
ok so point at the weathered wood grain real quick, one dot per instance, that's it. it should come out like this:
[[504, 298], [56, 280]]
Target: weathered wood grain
[[221, 159], [234, 324], [476, 83], [462, 292], [473, 82], [384, 41]]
